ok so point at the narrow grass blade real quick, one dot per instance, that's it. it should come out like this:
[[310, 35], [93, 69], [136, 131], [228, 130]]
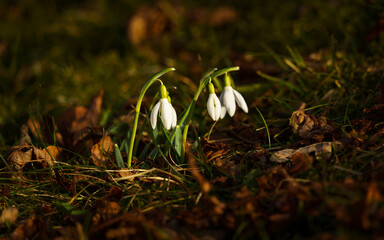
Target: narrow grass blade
[[119, 158], [266, 127], [280, 81], [178, 140]]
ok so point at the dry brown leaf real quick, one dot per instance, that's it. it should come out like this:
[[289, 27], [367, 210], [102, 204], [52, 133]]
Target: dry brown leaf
[[52, 153], [102, 151], [222, 15], [21, 155], [76, 122], [321, 150], [301, 162], [213, 150], [373, 194], [9, 215], [148, 22], [28, 228], [310, 127], [115, 194], [105, 210], [282, 155]]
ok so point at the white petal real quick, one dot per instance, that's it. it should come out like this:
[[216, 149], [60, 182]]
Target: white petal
[[223, 110], [240, 101], [211, 106], [174, 118], [153, 117], [229, 100], [214, 107], [166, 113], [217, 107]]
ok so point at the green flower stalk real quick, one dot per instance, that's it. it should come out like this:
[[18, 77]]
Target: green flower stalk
[[152, 80], [210, 74]]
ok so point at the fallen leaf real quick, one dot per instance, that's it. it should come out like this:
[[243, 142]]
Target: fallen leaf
[[213, 150], [301, 162], [310, 127], [282, 155], [52, 153], [147, 22], [222, 15], [321, 150], [102, 151], [105, 210], [9, 216], [115, 194], [28, 228], [373, 194], [77, 122], [21, 155]]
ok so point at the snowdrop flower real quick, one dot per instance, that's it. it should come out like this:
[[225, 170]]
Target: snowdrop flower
[[213, 104], [229, 98], [164, 107]]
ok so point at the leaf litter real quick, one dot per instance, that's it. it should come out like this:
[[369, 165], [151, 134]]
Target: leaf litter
[[238, 188], [274, 195]]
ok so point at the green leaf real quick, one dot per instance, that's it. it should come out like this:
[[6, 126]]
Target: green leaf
[[119, 158], [178, 140]]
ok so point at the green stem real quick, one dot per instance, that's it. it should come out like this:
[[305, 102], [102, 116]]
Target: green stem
[[137, 110], [210, 74]]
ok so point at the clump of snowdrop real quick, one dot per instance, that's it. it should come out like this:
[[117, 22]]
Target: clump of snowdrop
[[213, 103], [229, 98], [165, 109]]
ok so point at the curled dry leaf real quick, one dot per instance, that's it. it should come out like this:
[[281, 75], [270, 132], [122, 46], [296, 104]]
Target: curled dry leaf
[[310, 127], [321, 150], [21, 155], [53, 153], [102, 151], [9, 215]]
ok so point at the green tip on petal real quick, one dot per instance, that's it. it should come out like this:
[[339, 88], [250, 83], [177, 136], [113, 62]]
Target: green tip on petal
[[211, 88], [227, 80], [163, 91]]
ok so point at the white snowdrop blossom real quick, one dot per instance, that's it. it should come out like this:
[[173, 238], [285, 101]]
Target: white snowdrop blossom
[[166, 111], [214, 107], [213, 103], [229, 98]]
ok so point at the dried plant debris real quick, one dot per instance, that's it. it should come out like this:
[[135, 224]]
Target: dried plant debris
[[9, 216], [102, 152], [309, 127], [21, 155], [321, 150], [77, 122]]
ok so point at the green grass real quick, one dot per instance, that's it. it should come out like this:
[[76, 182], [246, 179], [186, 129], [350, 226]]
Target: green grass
[[54, 55]]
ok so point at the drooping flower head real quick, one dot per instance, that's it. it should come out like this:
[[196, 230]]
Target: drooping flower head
[[213, 104], [229, 98], [165, 109]]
